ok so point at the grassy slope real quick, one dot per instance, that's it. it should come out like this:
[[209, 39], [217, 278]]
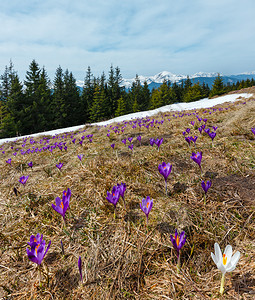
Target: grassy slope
[[121, 258]]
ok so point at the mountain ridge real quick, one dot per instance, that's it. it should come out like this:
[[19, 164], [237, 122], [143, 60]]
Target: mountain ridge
[[156, 80]]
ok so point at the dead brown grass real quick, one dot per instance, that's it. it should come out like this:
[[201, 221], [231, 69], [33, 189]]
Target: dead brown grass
[[121, 258]]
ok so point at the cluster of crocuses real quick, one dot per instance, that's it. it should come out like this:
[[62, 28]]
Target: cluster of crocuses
[[114, 196], [157, 142], [62, 205]]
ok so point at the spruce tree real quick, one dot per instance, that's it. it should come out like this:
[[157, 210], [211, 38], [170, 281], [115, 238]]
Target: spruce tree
[[217, 87], [58, 105], [87, 97]]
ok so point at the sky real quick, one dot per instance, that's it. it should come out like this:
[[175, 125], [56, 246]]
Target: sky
[[141, 37]]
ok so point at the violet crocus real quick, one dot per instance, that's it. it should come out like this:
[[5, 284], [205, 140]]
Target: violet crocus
[[146, 207], [62, 205], [80, 156], [59, 166], [131, 147], [9, 161], [23, 179], [130, 139], [80, 268], [158, 142], [37, 252], [112, 145], [178, 242], [197, 158], [152, 141], [253, 130], [212, 135], [187, 139], [30, 164], [205, 187], [124, 141], [165, 170], [113, 197], [122, 189]]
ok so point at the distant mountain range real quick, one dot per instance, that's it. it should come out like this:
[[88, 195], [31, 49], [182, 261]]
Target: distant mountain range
[[208, 78]]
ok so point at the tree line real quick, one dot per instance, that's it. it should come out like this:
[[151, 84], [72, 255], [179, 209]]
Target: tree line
[[38, 104]]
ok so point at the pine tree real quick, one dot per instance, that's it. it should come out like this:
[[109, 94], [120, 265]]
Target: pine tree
[[87, 97], [194, 93], [12, 123], [121, 107], [71, 101], [58, 105], [217, 87], [97, 112]]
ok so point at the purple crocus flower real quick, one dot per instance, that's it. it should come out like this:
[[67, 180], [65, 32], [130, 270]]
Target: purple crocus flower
[[152, 141], [80, 156], [165, 170], [139, 138], [130, 139], [197, 158], [158, 142], [206, 186], [122, 189], [253, 130], [62, 205], [23, 179], [214, 128], [59, 166], [9, 161], [146, 206], [187, 139], [124, 141], [207, 130], [192, 123], [80, 268], [188, 130], [178, 242], [131, 147], [212, 135], [30, 164], [193, 139], [112, 145], [200, 129], [113, 197], [37, 252]]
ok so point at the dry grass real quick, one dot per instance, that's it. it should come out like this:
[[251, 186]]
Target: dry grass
[[121, 258]]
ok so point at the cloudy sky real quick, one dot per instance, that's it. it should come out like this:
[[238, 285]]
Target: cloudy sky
[[141, 37]]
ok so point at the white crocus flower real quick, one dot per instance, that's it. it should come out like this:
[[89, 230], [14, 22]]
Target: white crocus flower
[[226, 262]]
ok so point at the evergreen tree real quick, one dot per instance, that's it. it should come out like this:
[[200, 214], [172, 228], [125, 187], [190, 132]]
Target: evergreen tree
[[6, 79], [58, 105], [87, 97], [71, 101], [121, 107], [217, 87], [97, 112], [12, 123], [194, 93]]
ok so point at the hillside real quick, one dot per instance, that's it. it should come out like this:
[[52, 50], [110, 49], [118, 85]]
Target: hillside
[[122, 258]]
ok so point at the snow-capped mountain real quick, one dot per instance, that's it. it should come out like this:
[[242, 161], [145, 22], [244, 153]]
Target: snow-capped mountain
[[156, 80]]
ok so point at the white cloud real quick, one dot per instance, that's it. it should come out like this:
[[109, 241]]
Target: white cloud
[[143, 37]]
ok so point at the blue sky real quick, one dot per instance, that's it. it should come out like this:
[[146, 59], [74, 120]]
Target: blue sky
[[141, 37]]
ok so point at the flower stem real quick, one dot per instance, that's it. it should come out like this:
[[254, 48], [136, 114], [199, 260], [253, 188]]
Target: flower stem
[[204, 199], [222, 284], [166, 187], [179, 263]]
